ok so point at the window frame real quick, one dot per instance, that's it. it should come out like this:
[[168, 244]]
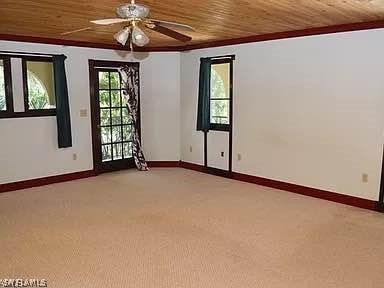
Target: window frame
[[10, 112], [223, 127], [27, 111], [7, 86]]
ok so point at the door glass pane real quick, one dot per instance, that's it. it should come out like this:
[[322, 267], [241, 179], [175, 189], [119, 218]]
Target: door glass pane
[[115, 98], [116, 134], [117, 151], [123, 99], [104, 98], [103, 80], [220, 111], [115, 80], [115, 122], [127, 133], [220, 93], [3, 104], [106, 151], [116, 116], [127, 149], [105, 135], [126, 116], [105, 117], [220, 80]]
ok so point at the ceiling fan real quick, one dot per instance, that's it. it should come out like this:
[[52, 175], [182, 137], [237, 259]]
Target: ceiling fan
[[136, 15]]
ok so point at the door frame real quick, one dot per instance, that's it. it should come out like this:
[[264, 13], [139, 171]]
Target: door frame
[[211, 170], [95, 117], [380, 202]]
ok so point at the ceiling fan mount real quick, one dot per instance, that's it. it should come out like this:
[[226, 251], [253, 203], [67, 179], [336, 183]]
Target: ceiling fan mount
[[132, 11], [135, 15]]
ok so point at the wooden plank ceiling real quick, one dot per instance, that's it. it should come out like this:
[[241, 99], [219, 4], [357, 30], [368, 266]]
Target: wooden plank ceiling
[[213, 19]]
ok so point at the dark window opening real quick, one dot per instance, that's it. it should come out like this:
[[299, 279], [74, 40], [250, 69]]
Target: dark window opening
[[6, 102], [39, 87], [220, 94]]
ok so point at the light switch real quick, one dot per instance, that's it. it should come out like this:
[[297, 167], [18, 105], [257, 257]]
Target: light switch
[[83, 113]]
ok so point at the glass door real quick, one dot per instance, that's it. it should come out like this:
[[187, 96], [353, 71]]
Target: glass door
[[113, 147]]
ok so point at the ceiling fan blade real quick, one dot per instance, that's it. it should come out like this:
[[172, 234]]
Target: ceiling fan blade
[[108, 21], [170, 33], [75, 31], [173, 25]]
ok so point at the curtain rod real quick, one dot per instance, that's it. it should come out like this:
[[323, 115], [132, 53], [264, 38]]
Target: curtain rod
[[27, 53], [231, 56]]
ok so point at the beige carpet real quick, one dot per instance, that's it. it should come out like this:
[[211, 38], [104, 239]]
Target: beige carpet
[[179, 228]]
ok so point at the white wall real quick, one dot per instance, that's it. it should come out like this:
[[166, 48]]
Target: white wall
[[308, 111], [218, 142], [28, 146]]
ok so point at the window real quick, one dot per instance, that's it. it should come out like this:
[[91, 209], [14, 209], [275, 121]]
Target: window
[[3, 98], [6, 104], [220, 99], [39, 89], [35, 89]]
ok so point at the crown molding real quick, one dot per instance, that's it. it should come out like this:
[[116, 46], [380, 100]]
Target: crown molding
[[289, 34], [243, 40], [54, 41]]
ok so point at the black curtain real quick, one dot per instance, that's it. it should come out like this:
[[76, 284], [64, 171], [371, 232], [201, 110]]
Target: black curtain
[[63, 116], [203, 113]]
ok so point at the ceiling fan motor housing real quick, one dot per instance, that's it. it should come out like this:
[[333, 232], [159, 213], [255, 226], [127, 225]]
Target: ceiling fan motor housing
[[132, 11]]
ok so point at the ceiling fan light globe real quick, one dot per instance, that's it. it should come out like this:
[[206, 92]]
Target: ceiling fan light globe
[[138, 37], [122, 36]]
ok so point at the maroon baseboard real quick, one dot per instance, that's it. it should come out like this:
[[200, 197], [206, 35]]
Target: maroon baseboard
[[208, 170], [299, 189], [69, 177], [45, 181], [308, 191], [163, 163], [294, 188], [192, 166]]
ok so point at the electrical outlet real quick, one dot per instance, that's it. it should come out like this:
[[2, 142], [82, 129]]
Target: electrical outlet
[[83, 113], [190, 148], [74, 156], [238, 157], [364, 178]]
